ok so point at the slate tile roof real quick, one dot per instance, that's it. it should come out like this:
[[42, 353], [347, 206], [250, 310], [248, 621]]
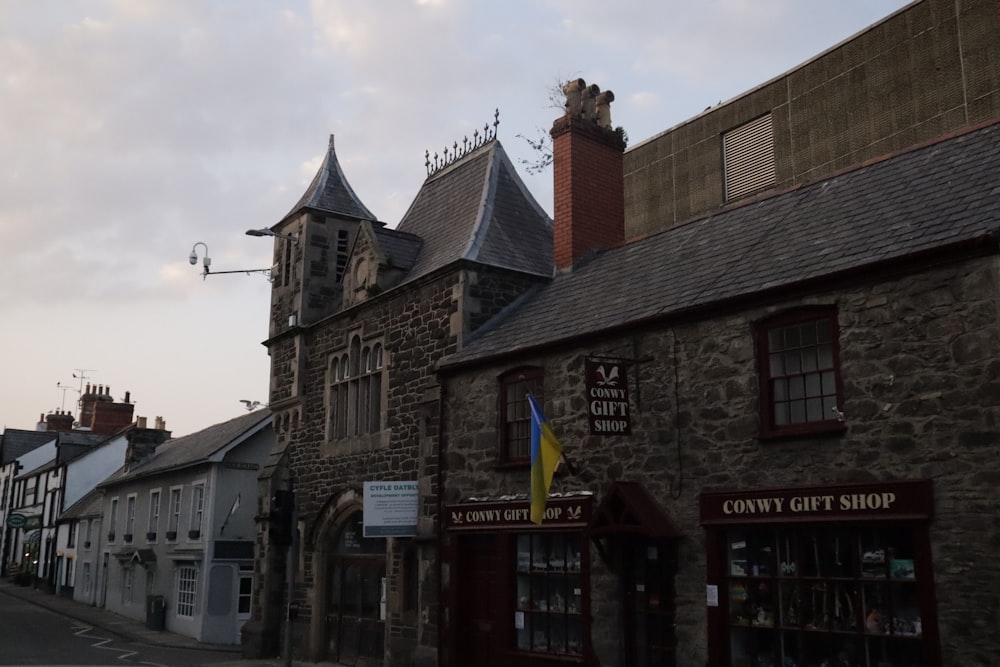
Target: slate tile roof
[[195, 448], [330, 191], [16, 442], [399, 248], [478, 209], [89, 505], [919, 201]]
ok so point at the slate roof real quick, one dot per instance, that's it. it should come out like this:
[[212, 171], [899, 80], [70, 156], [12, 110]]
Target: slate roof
[[89, 505], [400, 249], [478, 209], [195, 448], [330, 191], [16, 442], [922, 200]]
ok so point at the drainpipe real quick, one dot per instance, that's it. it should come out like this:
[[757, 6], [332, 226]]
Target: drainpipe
[[442, 440]]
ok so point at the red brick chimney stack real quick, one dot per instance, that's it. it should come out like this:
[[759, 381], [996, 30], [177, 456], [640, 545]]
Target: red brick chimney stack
[[589, 182]]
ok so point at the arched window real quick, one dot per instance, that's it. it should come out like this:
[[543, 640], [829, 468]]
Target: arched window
[[355, 390]]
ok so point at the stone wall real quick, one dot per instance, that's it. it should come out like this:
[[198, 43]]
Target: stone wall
[[418, 325], [920, 359]]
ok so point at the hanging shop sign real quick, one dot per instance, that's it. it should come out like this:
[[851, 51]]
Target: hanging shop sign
[[607, 397], [390, 508], [891, 499], [16, 520]]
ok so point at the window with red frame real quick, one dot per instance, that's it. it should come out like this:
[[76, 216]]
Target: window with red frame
[[515, 414], [799, 363]]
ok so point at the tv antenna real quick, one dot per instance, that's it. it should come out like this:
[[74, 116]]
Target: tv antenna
[[64, 388]]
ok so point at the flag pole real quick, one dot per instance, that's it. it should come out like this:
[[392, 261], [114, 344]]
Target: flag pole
[[569, 464]]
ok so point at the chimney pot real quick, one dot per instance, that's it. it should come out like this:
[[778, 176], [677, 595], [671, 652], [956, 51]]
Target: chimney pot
[[127, 396], [572, 90], [603, 108]]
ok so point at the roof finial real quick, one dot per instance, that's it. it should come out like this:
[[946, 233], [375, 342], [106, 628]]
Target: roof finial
[[454, 154]]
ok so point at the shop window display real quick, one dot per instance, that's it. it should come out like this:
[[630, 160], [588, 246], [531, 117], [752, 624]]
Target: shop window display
[[548, 605], [823, 597]]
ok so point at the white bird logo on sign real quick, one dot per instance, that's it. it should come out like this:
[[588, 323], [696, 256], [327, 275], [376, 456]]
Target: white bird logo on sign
[[606, 379]]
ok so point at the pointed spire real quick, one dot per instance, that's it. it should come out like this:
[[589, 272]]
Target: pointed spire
[[330, 191]]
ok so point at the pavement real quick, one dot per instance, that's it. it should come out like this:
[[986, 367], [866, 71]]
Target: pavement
[[132, 630]]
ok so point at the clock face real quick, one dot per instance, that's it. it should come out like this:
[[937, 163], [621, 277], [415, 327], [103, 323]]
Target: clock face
[[361, 272]]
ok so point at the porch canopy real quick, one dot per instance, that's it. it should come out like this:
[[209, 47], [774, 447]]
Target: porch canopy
[[629, 509]]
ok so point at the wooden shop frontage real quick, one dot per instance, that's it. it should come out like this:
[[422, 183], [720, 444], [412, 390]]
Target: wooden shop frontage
[[527, 595], [798, 575]]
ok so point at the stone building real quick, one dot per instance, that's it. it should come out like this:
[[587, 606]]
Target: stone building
[[779, 406], [360, 315]]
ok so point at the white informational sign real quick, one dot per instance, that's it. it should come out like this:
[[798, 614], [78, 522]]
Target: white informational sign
[[391, 509], [712, 595]]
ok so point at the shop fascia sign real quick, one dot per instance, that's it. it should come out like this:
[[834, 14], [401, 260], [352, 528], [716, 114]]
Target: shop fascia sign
[[607, 397], [559, 512], [889, 499], [15, 520]]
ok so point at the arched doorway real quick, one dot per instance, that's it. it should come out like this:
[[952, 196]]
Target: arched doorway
[[356, 597]]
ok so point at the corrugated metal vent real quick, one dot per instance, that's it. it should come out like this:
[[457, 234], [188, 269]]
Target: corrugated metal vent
[[748, 155]]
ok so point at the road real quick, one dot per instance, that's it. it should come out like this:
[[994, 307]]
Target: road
[[33, 635]]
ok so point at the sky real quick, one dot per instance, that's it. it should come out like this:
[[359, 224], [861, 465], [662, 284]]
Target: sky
[[130, 130]]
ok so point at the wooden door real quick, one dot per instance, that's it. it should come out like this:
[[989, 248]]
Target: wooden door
[[356, 620], [478, 628], [648, 581]]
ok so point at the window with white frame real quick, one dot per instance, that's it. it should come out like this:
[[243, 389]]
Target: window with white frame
[[71, 538], [197, 509], [175, 513], [187, 590], [356, 383], [154, 515], [113, 520], [88, 582], [128, 580], [129, 517], [87, 533], [245, 595]]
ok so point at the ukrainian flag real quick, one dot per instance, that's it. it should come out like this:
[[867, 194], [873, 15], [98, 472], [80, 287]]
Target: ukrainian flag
[[545, 454]]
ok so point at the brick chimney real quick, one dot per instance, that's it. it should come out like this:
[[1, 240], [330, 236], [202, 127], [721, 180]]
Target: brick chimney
[[59, 421], [589, 182], [110, 417], [142, 443]]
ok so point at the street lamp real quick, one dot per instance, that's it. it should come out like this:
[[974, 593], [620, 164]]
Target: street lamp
[[270, 232], [207, 262]]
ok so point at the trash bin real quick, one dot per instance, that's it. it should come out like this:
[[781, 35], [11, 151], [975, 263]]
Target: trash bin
[[156, 612]]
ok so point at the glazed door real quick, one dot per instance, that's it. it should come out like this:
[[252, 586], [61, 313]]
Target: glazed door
[[477, 627], [648, 579], [356, 604]]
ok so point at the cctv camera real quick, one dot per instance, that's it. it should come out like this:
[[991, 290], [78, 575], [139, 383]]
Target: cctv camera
[[193, 258]]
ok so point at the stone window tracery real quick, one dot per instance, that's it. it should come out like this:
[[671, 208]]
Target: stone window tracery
[[355, 395]]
